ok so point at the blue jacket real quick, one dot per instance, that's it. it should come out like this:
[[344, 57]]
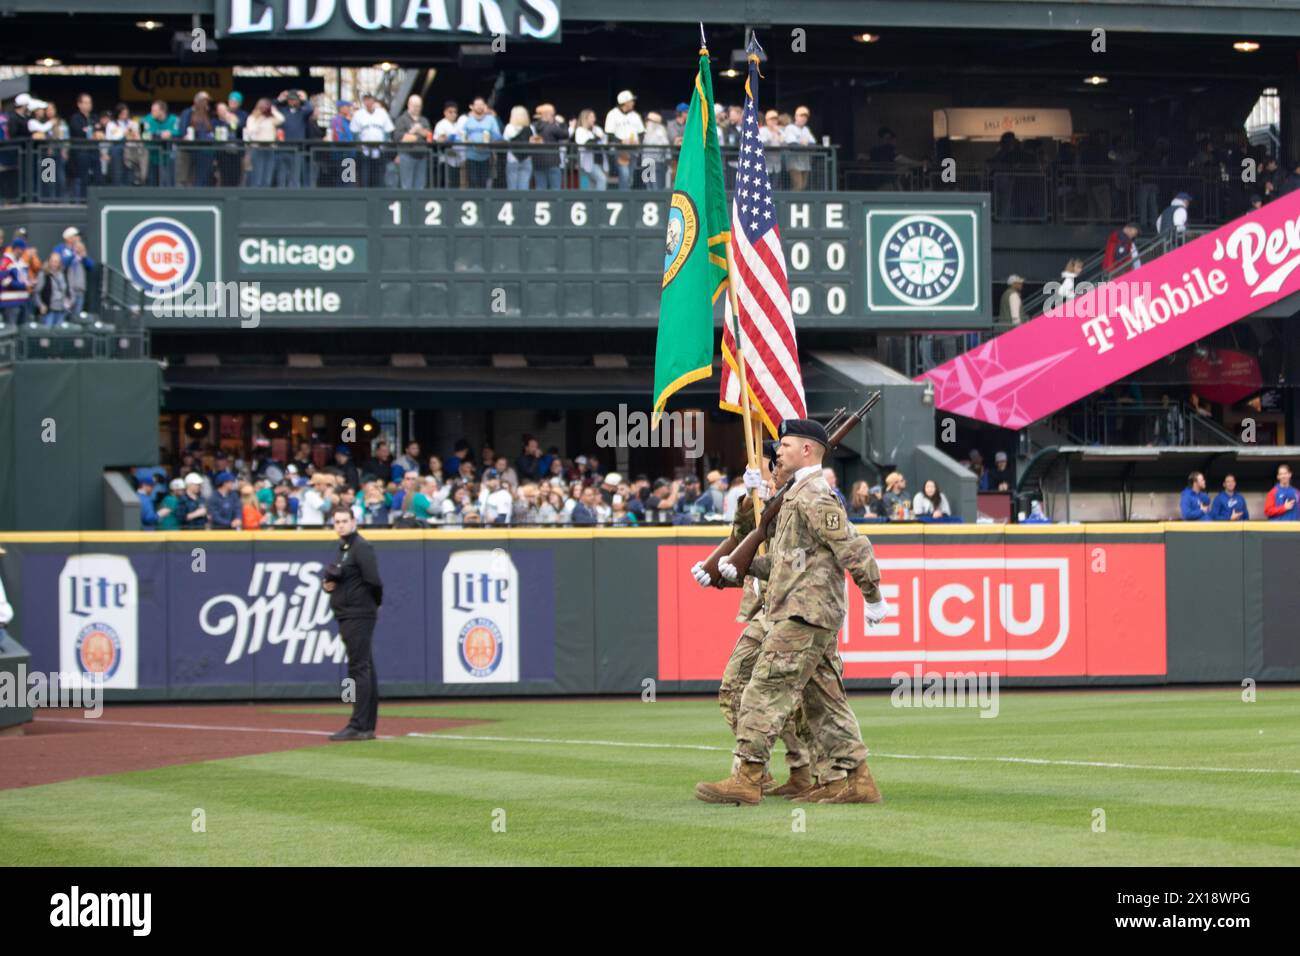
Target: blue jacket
[[224, 509], [1277, 499], [1225, 504], [1190, 505], [148, 513]]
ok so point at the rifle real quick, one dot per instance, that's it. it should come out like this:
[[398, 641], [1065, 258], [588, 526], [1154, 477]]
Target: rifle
[[837, 429], [742, 555]]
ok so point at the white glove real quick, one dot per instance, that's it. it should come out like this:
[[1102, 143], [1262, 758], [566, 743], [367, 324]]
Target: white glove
[[702, 577], [727, 569], [876, 612], [754, 480]]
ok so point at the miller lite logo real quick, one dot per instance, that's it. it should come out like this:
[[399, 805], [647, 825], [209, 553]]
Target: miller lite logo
[[98, 619], [480, 618], [161, 256]]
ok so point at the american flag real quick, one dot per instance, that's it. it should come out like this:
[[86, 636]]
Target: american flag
[[766, 323]]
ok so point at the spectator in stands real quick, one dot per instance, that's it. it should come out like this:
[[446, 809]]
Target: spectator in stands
[[771, 135], [344, 465], [280, 515], [197, 127], [1001, 477], [1121, 253], [372, 124], [930, 502], [235, 106], [655, 155], [291, 168], [78, 267], [713, 499], [861, 503], [160, 129], [796, 138], [83, 161], [895, 498], [1291, 181], [528, 464], [192, 510], [1282, 503], [591, 161], [250, 512], [119, 130], [495, 501], [149, 514], [526, 510], [409, 461], [52, 295], [584, 512], [15, 283], [404, 497], [381, 464], [519, 166], [412, 130], [1173, 221], [229, 131], [169, 511], [451, 132], [15, 131], [480, 126], [623, 125], [1010, 309], [1227, 504], [1036, 514], [1195, 503], [343, 171], [317, 500], [1065, 291], [224, 506], [547, 130], [828, 474]]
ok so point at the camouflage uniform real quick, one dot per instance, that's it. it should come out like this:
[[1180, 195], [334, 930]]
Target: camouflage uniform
[[804, 568], [795, 732]]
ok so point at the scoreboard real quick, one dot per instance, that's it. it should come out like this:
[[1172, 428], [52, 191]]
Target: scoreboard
[[348, 258]]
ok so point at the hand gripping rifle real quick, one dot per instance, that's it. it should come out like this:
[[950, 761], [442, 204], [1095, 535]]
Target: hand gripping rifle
[[742, 552]]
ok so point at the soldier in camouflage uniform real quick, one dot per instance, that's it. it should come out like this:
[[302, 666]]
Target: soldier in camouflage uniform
[[795, 733], [804, 568]]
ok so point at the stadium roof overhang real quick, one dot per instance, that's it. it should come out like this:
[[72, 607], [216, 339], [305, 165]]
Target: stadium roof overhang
[[1246, 17]]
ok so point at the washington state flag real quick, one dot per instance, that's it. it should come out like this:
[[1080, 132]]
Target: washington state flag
[[695, 255]]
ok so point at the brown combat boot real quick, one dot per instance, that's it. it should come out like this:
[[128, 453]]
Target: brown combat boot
[[857, 787], [801, 781], [744, 786], [769, 783]]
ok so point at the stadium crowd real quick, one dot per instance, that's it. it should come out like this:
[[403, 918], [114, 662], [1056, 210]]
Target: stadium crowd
[[44, 293], [223, 143], [210, 489]]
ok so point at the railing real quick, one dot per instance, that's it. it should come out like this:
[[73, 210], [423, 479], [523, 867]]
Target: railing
[[1063, 195], [1118, 422], [112, 328], [48, 171]]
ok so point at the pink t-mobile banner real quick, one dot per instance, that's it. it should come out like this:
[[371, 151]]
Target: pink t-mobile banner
[[1111, 330]]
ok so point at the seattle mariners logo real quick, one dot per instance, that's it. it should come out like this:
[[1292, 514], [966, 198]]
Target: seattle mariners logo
[[99, 650], [480, 646], [683, 227], [921, 260], [161, 256]]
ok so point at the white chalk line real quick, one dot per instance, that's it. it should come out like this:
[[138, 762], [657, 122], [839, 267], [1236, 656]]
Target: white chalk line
[[157, 725], [1108, 765]]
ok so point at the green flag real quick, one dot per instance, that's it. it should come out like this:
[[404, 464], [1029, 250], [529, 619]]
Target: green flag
[[695, 260]]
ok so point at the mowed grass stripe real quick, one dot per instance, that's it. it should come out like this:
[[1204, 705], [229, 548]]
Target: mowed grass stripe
[[416, 801]]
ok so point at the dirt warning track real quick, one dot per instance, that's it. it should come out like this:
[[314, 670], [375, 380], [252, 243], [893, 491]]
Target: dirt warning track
[[64, 745]]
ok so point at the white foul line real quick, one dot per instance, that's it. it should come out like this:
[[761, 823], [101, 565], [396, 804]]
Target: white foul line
[[165, 726], [1025, 760]]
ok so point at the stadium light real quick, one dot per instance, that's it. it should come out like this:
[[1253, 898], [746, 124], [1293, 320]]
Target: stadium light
[[1096, 80], [867, 37], [49, 61], [149, 24], [1245, 46], [196, 426], [730, 74]]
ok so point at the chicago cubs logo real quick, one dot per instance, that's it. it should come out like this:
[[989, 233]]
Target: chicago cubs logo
[[99, 650], [161, 256], [921, 260], [480, 646], [683, 228]]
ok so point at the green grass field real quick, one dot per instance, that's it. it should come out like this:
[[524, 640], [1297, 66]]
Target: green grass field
[[569, 800]]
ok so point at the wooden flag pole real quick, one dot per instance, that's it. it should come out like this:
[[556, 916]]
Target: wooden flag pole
[[753, 451]]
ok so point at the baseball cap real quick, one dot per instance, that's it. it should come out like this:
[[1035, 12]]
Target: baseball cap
[[691, 479], [237, 96], [491, 473], [342, 103], [627, 96], [70, 232], [1000, 456], [1185, 197], [193, 478], [613, 478], [683, 107], [18, 243], [177, 484], [22, 99], [1013, 279], [713, 476], [342, 450], [222, 477], [580, 460]]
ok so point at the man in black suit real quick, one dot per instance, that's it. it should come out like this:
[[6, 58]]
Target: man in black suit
[[356, 592]]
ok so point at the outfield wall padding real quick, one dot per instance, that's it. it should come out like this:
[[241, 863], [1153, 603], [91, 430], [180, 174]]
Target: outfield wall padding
[[213, 615]]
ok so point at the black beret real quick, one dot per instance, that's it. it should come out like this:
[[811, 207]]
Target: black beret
[[806, 428], [769, 448]]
